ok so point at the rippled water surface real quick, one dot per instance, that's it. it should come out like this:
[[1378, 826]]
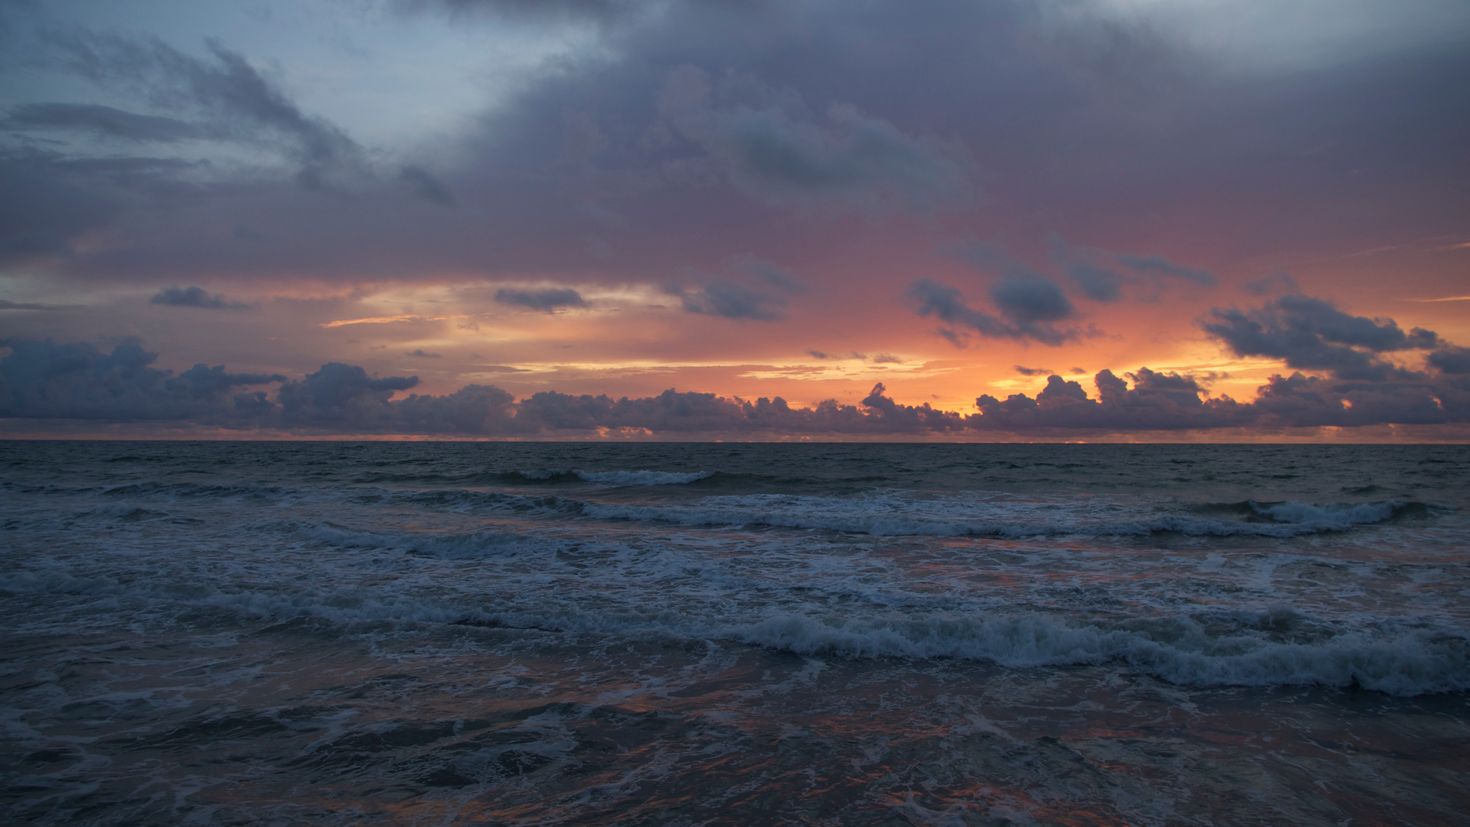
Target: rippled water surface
[[439, 633]]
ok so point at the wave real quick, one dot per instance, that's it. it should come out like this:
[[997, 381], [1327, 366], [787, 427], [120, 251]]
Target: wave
[[1395, 661], [630, 478], [1268, 648], [462, 546], [1409, 662], [191, 490], [1341, 515], [544, 476], [889, 515]]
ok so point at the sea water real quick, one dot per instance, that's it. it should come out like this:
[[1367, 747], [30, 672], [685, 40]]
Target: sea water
[[711, 633]]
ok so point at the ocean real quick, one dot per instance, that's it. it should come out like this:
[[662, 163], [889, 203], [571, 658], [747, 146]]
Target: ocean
[[442, 633]]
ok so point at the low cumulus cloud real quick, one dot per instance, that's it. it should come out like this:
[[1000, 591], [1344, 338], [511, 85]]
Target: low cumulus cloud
[[196, 297], [44, 380], [47, 380]]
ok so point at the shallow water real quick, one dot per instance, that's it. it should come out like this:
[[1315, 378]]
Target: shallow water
[[430, 633]]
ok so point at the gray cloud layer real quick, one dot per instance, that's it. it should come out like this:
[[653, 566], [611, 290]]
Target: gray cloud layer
[[196, 297], [547, 300], [694, 131]]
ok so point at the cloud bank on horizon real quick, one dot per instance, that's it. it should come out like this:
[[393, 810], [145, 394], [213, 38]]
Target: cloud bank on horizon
[[497, 218], [44, 380]]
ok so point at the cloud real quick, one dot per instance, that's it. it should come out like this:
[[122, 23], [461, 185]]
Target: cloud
[[6, 304], [770, 142], [751, 289], [420, 353], [106, 121], [1102, 275], [598, 11], [1273, 283], [734, 301], [546, 300], [426, 186], [196, 297], [1101, 284], [1454, 360], [1025, 371], [1030, 301], [1157, 401], [1028, 305], [1311, 334], [702, 129], [1162, 267], [236, 101], [341, 396], [43, 380]]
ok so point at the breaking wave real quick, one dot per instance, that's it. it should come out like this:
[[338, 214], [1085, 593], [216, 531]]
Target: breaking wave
[[1388, 658]]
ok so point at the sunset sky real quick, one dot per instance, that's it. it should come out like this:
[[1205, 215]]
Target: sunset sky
[[272, 217]]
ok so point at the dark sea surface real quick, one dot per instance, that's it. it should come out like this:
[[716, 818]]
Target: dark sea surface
[[436, 633]]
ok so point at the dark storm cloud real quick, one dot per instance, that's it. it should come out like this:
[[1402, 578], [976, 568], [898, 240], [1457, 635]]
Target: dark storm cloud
[[1102, 276], [1029, 301], [546, 300], [948, 305], [1101, 284], [734, 301], [239, 103], [601, 11], [1311, 334], [1273, 283], [46, 202], [100, 120], [749, 289], [196, 297], [693, 131], [1159, 266], [6, 304], [1027, 307], [426, 186]]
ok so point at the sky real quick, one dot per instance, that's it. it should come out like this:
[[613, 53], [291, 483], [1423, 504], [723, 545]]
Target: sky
[[990, 220]]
